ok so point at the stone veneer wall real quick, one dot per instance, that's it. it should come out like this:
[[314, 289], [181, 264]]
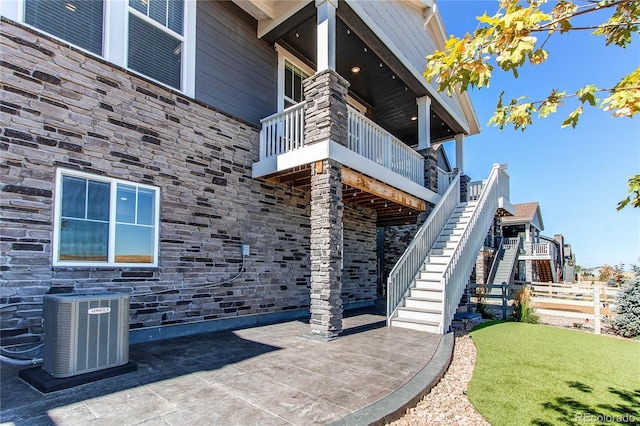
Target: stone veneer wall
[[63, 108], [397, 238], [359, 255]]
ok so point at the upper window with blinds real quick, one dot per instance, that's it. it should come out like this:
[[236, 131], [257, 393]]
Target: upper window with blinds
[[146, 36], [78, 22], [156, 39]]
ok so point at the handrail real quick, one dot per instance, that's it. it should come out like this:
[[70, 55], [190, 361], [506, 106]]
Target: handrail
[[517, 241], [375, 143], [458, 269], [406, 268], [494, 264]]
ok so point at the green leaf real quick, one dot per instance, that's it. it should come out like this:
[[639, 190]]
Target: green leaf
[[587, 94], [573, 118]]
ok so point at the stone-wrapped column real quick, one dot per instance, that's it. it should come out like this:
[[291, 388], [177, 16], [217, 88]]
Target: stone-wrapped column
[[325, 116], [464, 188], [430, 168], [326, 249], [326, 120]]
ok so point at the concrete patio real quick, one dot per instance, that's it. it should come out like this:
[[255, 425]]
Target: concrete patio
[[266, 375]]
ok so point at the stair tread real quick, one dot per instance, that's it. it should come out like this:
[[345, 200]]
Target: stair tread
[[423, 299], [421, 310], [416, 321], [426, 280]]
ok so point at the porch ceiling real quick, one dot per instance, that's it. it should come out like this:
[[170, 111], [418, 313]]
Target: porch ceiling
[[385, 87], [389, 212]]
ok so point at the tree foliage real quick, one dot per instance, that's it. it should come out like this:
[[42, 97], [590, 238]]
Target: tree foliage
[[516, 35], [612, 275], [627, 322]]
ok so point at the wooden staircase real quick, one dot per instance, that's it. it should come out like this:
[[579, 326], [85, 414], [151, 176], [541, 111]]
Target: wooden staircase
[[544, 271]]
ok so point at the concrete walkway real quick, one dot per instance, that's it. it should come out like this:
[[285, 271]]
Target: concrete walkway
[[267, 375]]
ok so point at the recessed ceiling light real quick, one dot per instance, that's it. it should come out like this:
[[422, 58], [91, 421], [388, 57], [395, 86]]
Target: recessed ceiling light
[[355, 69], [414, 118]]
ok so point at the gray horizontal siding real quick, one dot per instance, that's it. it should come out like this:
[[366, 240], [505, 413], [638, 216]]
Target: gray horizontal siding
[[235, 71]]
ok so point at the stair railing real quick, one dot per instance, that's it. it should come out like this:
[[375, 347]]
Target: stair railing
[[404, 271], [512, 266], [458, 269], [494, 264]]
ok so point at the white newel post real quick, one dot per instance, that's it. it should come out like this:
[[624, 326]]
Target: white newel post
[[326, 44], [424, 122]]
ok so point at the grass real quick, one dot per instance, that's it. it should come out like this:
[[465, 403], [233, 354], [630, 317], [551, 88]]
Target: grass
[[529, 374]]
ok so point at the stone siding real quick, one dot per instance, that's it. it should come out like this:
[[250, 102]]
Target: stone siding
[[359, 255], [397, 238], [63, 108]]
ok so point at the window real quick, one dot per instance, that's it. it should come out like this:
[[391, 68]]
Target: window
[[155, 39], [104, 222], [78, 22], [291, 73], [293, 77]]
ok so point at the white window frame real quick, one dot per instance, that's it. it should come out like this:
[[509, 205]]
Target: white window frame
[[115, 37], [113, 182], [285, 55]]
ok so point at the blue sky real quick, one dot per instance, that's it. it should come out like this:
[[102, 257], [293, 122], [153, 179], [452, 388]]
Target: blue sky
[[577, 175]]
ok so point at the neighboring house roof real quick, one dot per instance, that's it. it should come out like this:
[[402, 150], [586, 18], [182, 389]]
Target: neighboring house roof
[[526, 213]]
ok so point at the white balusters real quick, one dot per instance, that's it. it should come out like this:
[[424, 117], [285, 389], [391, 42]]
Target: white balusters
[[282, 132]]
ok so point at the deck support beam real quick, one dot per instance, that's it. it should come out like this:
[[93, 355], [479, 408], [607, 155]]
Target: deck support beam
[[382, 190], [460, 152]]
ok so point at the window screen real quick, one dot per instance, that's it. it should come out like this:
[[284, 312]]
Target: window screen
[[77, 22]]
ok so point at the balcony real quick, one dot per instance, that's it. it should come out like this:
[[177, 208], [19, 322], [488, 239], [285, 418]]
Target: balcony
[[284, 133], [539, 251], [373, 158]]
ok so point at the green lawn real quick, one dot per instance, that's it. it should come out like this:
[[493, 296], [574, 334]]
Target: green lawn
[[528, 374]]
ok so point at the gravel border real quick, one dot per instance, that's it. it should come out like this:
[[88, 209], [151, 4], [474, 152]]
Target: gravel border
[[447, 403]]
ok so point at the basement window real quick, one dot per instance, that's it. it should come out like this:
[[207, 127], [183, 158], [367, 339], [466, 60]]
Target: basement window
[[101, 221]]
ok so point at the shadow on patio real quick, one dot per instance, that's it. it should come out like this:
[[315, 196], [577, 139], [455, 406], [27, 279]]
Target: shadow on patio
[[263, 375]]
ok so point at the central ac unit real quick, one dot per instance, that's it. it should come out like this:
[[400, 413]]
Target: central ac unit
[[85, 332]]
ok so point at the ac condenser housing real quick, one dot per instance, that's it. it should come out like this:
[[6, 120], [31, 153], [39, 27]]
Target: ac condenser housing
[[85, 332]]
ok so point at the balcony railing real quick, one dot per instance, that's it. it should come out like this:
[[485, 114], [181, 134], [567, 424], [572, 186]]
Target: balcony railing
[[543, 250], [373, 142], [284, 132]]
